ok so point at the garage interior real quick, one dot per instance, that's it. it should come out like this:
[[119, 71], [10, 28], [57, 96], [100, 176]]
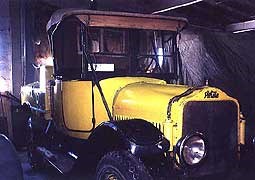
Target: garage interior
[[216, 49]]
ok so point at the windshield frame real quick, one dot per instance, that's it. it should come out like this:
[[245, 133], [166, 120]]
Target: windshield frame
[[168, 76]]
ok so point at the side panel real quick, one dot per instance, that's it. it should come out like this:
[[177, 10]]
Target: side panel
[[72, 108], [77, 105], [73, 103]]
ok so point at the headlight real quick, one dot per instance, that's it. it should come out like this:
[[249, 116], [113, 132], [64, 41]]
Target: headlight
[[191, 149]]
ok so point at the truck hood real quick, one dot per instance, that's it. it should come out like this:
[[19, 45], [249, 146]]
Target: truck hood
[[144, 98]]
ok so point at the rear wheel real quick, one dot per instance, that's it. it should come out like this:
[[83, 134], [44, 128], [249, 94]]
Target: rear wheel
[[121, 165]]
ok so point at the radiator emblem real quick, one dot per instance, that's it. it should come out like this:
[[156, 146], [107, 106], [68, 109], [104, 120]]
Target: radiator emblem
[[211, 94]]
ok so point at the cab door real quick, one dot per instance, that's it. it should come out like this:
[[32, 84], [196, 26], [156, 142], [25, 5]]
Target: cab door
[[77, 105], [73, 93]]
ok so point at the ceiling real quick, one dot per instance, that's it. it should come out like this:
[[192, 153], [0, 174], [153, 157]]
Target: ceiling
[[213, 14], [227, 15], [216, 14]]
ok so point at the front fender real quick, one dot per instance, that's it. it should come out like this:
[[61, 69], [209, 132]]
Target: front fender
[[10, 166], [140, 137]]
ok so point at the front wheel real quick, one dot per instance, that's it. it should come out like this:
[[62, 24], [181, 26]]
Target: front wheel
[[121, 165]]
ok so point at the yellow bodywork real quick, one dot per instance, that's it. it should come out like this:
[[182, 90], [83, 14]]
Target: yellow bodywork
[[74, 102], [128, 98], [198, 95], [151, 102]]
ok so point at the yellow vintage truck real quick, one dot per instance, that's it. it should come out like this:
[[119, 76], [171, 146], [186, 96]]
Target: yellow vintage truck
[[113, 95]]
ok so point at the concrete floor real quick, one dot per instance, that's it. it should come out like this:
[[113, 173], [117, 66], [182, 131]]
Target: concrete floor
[[50, 173]]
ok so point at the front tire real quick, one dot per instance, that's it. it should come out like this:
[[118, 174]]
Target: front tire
[[121, 165]]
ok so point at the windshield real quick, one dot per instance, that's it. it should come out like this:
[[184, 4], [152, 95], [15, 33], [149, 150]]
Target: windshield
[[120, 51], [151, 51]]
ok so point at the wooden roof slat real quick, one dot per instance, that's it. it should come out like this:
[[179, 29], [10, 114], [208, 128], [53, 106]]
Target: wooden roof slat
[[131, 22], [119, 19]]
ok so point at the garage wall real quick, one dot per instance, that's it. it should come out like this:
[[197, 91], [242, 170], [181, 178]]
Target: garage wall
[[5, 47], [17, 45]]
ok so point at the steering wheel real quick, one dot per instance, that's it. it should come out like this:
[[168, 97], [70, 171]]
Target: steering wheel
[[147, 64]]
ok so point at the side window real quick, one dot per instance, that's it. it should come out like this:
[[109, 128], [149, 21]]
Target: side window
[[155, 52], [67, 54], [109, 47], [94, 41], [114, 41], [108, 41]]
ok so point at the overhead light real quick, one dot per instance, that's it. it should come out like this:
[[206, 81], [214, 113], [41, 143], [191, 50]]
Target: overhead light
[[243, 30], [178, 6], [241, 27]]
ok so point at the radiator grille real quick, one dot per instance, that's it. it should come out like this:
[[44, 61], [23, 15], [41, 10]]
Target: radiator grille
[[218, 122]]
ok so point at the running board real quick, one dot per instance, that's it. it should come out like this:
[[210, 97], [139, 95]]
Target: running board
[[62, 162]]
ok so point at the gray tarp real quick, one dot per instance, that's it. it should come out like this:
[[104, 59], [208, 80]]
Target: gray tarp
[[227, 60]]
